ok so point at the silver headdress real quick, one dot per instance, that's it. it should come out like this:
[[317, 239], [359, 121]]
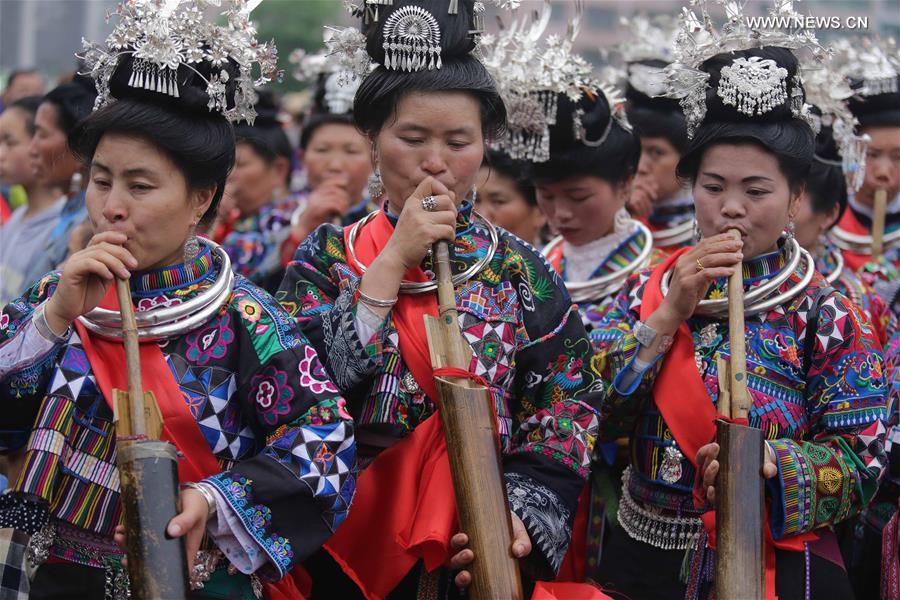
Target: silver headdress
[[829, 91], [412, 35], [650, 39], [873, 63], [530, 73], [751, 86], [163, 35], [341, 80]]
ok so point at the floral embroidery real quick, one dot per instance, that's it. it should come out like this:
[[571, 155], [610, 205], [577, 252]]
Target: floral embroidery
[[250, 310], [210, 342], [272, 394], [312, 374], [4, 321], [256, 518], [145, 304]]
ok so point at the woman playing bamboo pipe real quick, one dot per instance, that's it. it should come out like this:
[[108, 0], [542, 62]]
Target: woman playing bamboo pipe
[[876, 104], [350, 291], [267, 445], [815, 371]]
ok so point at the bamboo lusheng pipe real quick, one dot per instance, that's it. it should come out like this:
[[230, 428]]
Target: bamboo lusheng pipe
[[740, 564], [878, 216], [148, 479], [473, 447]]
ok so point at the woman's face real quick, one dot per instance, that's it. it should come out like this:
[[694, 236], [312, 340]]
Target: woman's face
[[436, 134], [740, 186], [15, 164], [658, 161], [500, 201], [339, 151], [254, 181], [582, 208], [809, 224], [50, 156], [136, 189], [882, 164]]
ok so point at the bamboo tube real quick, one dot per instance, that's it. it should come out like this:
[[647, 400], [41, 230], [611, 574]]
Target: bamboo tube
[[740, 565], [473, 448]]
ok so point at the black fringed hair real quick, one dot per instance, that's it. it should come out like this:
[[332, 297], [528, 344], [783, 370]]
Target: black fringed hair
[[501, 163], [877, 110], [199, 142], [73, 101]]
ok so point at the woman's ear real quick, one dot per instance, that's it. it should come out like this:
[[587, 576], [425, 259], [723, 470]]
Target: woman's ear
[[202, 199], [794, 205], [624, 187]]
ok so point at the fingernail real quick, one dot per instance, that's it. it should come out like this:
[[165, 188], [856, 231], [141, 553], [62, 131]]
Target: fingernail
[[174, 530], [132, 262], [520, 548]]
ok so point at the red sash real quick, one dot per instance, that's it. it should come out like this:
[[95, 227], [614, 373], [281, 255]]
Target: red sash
[[197, 461], [851, 224], [555, 257], [684, 403], [411, 478]]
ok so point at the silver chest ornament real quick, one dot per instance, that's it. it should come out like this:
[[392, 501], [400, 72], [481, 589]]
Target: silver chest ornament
[[670, 470]]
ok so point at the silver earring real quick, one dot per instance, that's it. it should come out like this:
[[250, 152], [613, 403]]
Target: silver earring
[[697, 234], [790, 230], [473, 195], [191, 247], [375, 186]]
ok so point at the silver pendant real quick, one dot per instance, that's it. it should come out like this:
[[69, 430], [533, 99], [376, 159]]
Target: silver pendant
[[409, 384], [670, 471]]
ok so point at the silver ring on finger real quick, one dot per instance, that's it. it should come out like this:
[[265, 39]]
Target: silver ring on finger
[[429, 204]]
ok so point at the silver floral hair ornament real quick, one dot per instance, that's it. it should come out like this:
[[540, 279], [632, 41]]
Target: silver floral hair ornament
[[698, 40], [531, 71], [164, 35], [753, 86], [412, 40], [873, 62]]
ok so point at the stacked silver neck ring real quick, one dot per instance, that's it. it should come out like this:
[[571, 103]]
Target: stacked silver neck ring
[[674, 236], [763, 297], [862, 244], [422, 287], [165, 322], [598, 288]]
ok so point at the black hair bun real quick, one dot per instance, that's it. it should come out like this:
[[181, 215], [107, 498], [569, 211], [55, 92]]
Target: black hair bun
[[876, 109], [266, 109], [192, 84], [646, 84], [456, 41], [594, 121], [718, 110]]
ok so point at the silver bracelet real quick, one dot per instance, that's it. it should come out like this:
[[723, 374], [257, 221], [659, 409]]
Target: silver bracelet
[[376, 302], [39, 318], [207, 495]]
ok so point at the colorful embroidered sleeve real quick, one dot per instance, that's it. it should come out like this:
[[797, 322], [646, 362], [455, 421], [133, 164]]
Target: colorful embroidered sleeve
[[616, 349], [254, 244], [23, 383], [291, 495], [319, 291], [549, 456], [830, 477]]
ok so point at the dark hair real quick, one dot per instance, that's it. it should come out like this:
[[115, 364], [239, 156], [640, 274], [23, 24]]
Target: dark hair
[[13, 75], [614, 161], [500, 163], [878, 109], [317, 120], [381, 91], [266, 136], [201, 145], [777, 131], [28, 105], [73, 101], [653, 116], [825, 183]]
